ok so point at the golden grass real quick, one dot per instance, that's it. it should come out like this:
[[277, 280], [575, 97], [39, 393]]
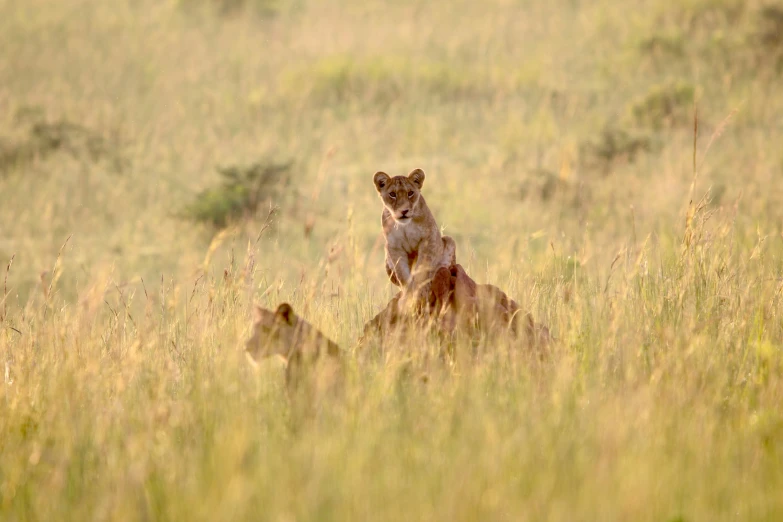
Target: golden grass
[[125, 392]]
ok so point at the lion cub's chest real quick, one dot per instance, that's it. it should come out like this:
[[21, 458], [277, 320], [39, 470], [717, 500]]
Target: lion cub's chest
[[406, 238]]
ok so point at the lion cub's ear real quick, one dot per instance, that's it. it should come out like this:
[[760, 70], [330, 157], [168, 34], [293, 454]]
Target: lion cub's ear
[[381, 179], [285, 314], [417, 177]]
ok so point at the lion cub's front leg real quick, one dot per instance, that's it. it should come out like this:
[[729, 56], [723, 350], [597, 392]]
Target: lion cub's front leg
[[391, 274], [429, 259], [398, 266]]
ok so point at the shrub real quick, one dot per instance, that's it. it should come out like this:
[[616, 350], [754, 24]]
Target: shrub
[[671, 44], [614, 145], [664, 105], [768, 36], [45, 138], [240, 192], [230, 7]]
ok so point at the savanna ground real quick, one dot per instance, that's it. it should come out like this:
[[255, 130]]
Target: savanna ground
[[558, 139]]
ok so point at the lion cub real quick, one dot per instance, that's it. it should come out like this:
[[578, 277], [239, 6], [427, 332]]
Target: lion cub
[[415, 248], [313, 363]]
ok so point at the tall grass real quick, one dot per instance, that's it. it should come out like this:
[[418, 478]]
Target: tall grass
[[126, 395], [661, 400]]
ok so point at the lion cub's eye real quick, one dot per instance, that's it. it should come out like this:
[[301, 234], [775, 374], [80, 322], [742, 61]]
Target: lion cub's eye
[[410, 194], [393, 195]]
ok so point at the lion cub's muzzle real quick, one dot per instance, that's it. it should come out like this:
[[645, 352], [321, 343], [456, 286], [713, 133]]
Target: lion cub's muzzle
[[403, 216]]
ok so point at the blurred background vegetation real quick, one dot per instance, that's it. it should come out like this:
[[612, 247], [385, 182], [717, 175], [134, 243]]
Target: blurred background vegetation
[[549, 119]]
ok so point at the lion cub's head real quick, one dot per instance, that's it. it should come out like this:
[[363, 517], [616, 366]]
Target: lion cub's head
[[400, 194], [283, 333]]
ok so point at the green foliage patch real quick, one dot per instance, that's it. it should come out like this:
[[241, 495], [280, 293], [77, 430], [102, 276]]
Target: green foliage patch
[[383, 80], [44, 138], [240, 192], [236, 7], [614, 145], [664, 105]]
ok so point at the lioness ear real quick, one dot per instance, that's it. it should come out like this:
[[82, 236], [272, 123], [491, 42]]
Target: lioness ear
[[285, 314], [417, 177], [381, 179], [258, 314]]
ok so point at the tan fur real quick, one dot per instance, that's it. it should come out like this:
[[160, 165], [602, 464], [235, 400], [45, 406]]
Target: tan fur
[[415, 248], [312, 359], [460, 305]]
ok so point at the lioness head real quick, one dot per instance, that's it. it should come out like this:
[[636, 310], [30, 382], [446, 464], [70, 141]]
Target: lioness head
[[283, 333], [400, 194]]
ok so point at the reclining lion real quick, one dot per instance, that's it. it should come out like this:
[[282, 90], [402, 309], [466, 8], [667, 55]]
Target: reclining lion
[[313, 364], [457, 304]]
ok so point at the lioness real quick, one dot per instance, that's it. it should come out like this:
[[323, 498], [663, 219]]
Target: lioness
[[312, 360], [415, 248], [462, 305]]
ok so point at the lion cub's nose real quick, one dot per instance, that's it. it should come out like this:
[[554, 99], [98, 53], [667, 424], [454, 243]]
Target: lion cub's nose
[[404, 213]]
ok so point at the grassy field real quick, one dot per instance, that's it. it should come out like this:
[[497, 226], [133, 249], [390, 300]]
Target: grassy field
[[561, 153]]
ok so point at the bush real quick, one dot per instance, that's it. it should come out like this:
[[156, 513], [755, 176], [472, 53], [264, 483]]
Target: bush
[[614, 145], [230, 7], [728, 33], [664, 45], [664, 105], [240, 192], [769, 36], [45, 138]]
